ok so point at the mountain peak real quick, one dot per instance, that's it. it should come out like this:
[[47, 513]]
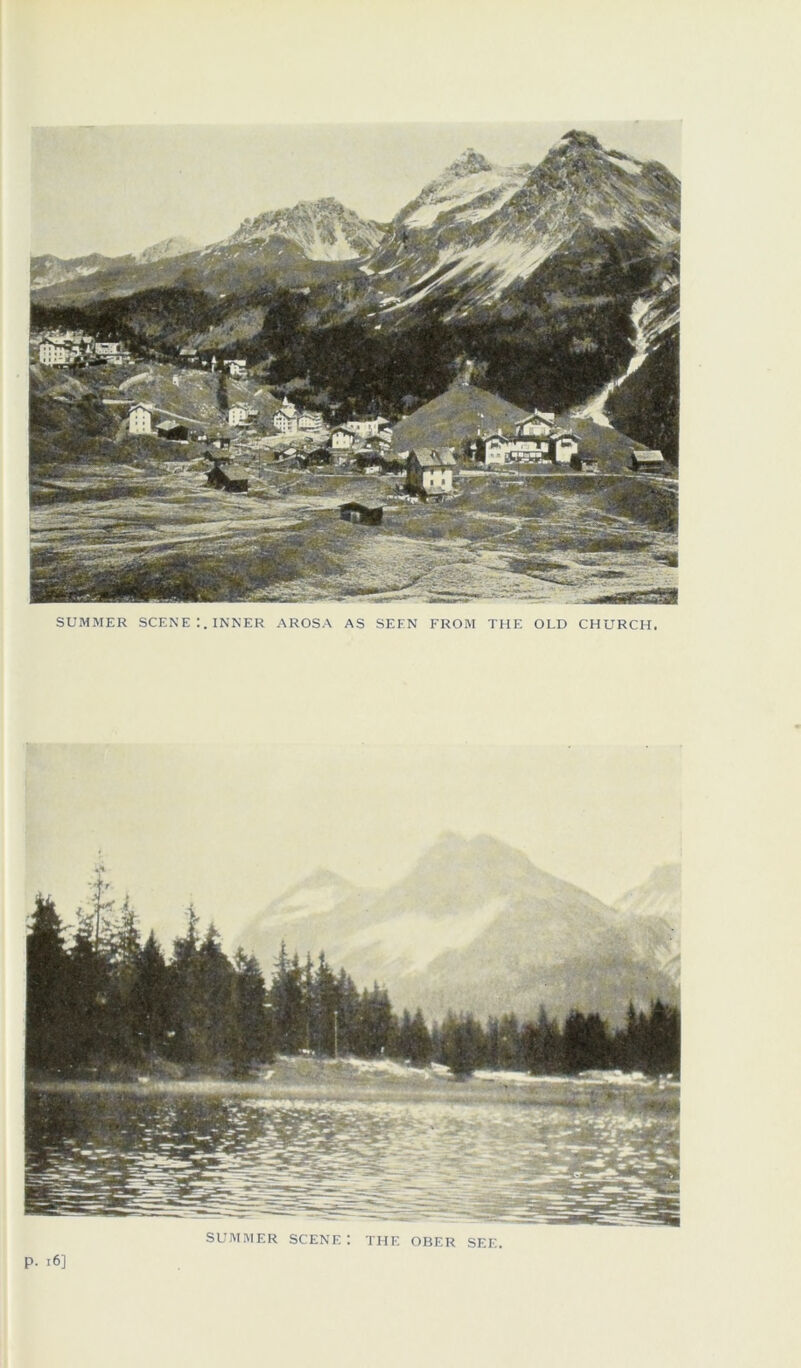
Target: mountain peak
[[577, 138], [323, 229], [168, 247], [469, 163], [326, 202]]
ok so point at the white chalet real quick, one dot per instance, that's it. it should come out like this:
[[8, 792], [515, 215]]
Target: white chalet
[[55, 351], [493, 450], [286, 419], [310, 421], [344, 437], [562, 447], [238, 415], [527, 449], [537, 424], [367, 427], [430, 473], [140, 419]]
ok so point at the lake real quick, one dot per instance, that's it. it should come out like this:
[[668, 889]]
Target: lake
[[565, 1151]]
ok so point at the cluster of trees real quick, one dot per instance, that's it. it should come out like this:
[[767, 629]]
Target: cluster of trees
[[105, 997], [649, 1042], [110, 998]]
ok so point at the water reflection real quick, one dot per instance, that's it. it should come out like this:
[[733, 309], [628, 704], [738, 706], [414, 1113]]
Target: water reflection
[[605, 1155]]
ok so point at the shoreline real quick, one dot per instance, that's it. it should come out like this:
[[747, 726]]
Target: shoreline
[[346, 1081]]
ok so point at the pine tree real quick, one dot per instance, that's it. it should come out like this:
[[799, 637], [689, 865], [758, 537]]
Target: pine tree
[[463, 1044], [150, 992], [47, 1018], [186, 1026], [253, 1039], [420, 1049], [101, 908], [217, 1006]]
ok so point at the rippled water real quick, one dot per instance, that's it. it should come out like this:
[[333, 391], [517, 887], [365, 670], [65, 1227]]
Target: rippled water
[[569, 1154]]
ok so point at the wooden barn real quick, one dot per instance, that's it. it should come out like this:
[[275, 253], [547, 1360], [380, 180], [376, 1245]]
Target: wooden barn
[[172, 432], [583, 461], [226, 475], [647, 460], [360, 513]]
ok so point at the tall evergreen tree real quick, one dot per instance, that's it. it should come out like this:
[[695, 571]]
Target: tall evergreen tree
[[101, 908], [47, 1006], [254, 1027], [150, 999]]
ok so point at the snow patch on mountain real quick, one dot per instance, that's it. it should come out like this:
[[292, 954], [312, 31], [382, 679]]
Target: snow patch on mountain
[[651, 318], [323, 229], [468, 199], [414, 941], [627, 163], [494, 263], [316, 896]]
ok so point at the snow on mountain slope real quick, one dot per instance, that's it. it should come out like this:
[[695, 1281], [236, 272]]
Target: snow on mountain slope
[[467, 190], [323, 229], [316, 896], [478, 229], [52, 270], [411, 942]]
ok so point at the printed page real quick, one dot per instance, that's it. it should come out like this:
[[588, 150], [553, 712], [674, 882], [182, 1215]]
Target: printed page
[[399, 662]]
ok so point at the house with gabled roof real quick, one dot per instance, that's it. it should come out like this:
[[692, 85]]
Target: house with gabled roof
[[562, 446], [140, 419], [286, 418], [368, 426], [55, 351], [492, 451], [430, 473], [344, 437], [229, 476], [172, 431], [536, 424], [646, 460]]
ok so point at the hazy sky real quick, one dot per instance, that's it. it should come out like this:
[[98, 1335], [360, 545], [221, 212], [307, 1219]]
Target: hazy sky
[[118, 189], [233, 827]]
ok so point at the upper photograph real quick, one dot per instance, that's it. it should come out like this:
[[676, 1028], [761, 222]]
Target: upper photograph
[[302, 363]]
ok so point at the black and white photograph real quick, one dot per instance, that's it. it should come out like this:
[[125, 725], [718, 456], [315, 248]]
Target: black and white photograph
[[374, 362], [453, 996]]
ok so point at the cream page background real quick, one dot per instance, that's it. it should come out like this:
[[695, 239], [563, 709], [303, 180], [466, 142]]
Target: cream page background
[[719, 677]]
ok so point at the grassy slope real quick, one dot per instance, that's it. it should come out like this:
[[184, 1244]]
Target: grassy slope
[[67, 412], [454, 416]]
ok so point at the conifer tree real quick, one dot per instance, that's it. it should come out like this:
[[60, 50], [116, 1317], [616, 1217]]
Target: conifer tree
[[48, 1026]]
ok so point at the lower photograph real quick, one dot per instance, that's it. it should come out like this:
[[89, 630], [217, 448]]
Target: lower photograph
[[401, 982]]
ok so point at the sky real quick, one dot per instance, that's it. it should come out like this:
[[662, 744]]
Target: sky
[[233, 827], [119, 189]]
